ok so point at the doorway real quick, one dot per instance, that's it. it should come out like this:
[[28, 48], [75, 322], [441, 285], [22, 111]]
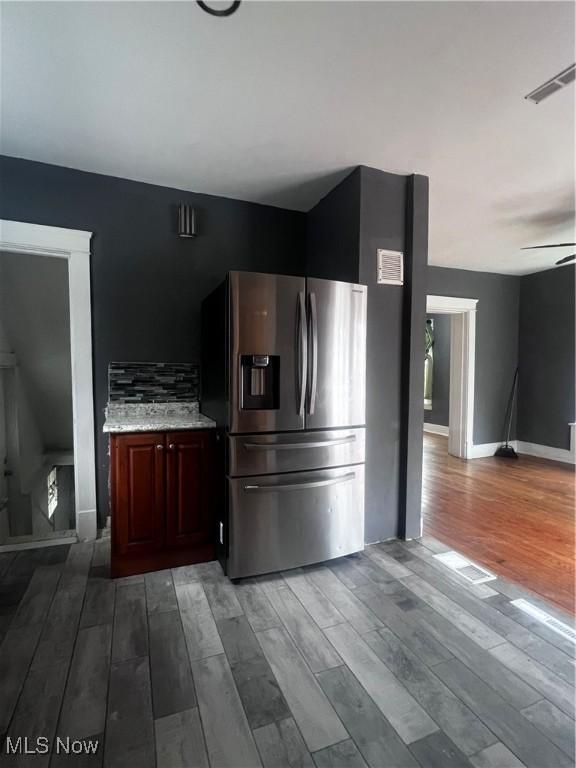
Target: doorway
[[461, 350], [437, 375], [448, 401], [36, 445], [69, 485]]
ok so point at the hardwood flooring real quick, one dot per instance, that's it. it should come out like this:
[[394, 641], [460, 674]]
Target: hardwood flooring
[[381, 660], [514, 516]]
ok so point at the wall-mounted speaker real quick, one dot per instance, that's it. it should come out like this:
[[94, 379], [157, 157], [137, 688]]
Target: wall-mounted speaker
[[186, 221]]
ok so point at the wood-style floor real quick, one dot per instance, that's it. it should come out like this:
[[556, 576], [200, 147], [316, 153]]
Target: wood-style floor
[[514, 516], [386, 659]]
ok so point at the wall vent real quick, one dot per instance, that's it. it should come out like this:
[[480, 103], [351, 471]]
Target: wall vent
[[464, 567], [551, 86], [390, 267], [550, 621]]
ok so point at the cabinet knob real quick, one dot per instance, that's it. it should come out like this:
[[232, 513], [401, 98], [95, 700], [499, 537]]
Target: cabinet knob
[[159, 447], [171, 446]]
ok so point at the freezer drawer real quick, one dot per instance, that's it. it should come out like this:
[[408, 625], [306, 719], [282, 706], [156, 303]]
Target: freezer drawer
[[271, 454], [278, 522]]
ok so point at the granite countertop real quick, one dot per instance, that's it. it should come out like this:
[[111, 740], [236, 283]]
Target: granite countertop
[[154, 417]]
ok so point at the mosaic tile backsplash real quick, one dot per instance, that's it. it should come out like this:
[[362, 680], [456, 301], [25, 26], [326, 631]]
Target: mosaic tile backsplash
[[153, 382]]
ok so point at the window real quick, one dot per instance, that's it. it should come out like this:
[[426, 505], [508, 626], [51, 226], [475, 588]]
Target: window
[[52, 491]]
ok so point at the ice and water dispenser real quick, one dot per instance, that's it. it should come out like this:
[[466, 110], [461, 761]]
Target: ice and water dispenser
[[260, 382]]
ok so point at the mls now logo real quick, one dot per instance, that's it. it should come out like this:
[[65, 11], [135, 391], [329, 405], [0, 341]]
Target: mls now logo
[[70, 746], [41, 746], [26, 746]]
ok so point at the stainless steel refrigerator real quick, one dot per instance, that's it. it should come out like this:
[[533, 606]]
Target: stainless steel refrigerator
[[284, 375]]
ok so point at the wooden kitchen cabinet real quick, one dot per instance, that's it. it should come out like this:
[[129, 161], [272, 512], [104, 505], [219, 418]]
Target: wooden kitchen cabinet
[[164, 498], [138, 481], [189, 488]]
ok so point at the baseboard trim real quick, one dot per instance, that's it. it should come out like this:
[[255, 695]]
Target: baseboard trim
[[483, 450], [546, 452], [38, 544], [436, 429], [527, 449], [86, 527]]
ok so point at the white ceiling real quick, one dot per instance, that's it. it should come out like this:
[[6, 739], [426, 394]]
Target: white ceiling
[[275, 103]]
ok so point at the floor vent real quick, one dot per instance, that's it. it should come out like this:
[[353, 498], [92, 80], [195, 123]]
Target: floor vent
[[464, 567], [558, 626]]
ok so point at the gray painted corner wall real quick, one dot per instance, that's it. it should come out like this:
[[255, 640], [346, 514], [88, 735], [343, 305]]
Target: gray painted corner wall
[[413, 345], [383, 221], [147, 283], [527, 321], [439, 414], [147, 286], [546, 390], [333, 232], [35, 312], [497, 332], [368, 210]]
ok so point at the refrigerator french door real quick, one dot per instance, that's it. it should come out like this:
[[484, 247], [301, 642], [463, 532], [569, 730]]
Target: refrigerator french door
[[336, 381], [294, 412]]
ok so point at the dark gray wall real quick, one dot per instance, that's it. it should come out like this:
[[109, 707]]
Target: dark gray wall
[[147, 284], [496, 340], [547, 367], [367, 211], [383, 215], [413, 343], [440, 372], [333, 232]]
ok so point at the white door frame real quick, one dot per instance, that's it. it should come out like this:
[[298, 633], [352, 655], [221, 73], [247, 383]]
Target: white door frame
[[462, 367], [74, 246]]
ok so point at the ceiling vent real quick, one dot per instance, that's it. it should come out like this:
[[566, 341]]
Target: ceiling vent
[[551, 86], [390, 267]]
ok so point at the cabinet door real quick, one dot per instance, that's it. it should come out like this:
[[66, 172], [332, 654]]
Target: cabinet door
[[190, 485], [138, 493]]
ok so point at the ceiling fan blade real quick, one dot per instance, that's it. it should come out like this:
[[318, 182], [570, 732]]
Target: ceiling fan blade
[[554, 245], [566, 259]]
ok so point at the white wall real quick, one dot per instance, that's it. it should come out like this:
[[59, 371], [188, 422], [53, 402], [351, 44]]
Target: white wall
[[31, 446], [4, 524], [4, 344], [21, 444], [37, 390], [35, 312], [2, 439]]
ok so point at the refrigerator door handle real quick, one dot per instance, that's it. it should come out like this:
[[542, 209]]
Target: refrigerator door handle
[[302, 354], [313, 320], [298, 446], [298, 486]]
